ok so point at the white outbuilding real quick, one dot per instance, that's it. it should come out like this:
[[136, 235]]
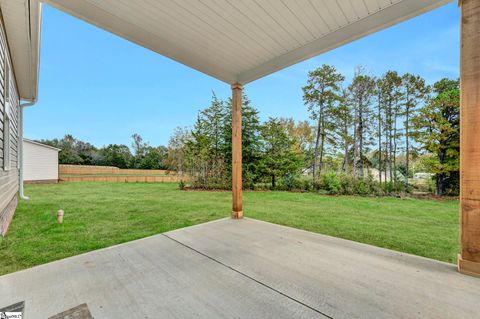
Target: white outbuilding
[[40, 162]]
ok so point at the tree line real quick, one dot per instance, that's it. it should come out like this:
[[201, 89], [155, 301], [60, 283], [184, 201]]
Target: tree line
[[369, 135], [77, 152], [384, 123], [205, 150], [370, 130]]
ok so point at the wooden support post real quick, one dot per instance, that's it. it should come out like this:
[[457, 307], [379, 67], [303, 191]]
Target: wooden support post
[[469, 258], [237, 210]]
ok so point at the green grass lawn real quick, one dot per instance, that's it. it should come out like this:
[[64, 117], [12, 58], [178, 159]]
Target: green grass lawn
[[103, 214]]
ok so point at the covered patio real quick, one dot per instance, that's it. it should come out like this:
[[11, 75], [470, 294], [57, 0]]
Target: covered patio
[[240, 42], [244, 269]]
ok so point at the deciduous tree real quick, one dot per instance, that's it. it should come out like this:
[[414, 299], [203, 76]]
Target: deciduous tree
[[437, 129]]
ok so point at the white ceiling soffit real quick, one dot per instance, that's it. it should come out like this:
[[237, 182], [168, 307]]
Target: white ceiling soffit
[[243, 40], [22, 19]]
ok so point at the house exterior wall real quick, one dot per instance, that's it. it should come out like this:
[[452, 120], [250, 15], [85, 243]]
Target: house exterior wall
[[9, 178], [40, 163]]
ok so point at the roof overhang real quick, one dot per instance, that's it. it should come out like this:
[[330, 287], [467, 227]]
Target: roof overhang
[[22, 19], [26, 140], [233, 41], [241, 41]]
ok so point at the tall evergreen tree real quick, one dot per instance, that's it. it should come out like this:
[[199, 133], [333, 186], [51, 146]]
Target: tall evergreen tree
[[390, 91], [343, 127], [361, 93], [278, 154], [213, 119], [320, 95], [380, 125], [415, 92]]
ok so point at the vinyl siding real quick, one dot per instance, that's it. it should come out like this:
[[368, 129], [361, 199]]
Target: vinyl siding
[[9, 179], [40, 163]]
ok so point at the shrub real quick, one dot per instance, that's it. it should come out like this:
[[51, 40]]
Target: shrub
[[181, 185], [361, 189], [306, 185], [292, 182], [316, 185], [330, 183]]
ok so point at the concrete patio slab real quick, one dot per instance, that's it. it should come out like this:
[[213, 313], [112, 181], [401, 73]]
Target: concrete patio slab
[[340, 278], [154, 277], [244, 269]]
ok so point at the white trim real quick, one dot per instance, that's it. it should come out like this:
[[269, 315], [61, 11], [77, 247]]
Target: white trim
[[41, 144], [35, 28], [22, 21], [21, 155]]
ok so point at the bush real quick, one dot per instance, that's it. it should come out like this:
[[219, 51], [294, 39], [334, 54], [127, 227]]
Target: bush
[[181, 185], [330, 183], [373, 187], [306, 185], [211, 184], [348, 185], [292, 182]]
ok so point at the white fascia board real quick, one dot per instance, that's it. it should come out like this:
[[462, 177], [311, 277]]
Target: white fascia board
[[35, 29], [22, 22], [26, 140]]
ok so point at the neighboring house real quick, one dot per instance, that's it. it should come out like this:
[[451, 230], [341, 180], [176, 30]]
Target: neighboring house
[[40, 162], [423, 176], [385, 176], [19, 56]]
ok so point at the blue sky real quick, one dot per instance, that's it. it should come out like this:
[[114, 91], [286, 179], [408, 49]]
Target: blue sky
[[102, 89]]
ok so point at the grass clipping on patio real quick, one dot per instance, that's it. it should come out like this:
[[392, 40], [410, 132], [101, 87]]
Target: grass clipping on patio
[[99, 215]]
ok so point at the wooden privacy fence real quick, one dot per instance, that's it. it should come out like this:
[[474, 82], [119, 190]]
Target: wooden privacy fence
[[86, 173], [94, 170]]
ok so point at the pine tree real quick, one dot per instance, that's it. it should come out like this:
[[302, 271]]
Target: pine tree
[[380, 126], [343, 127], [415, 91], [361, 93], [390, 91], [213, 119], [320, 95], [279, 157]]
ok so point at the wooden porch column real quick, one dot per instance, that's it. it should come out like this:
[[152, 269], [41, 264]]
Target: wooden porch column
[[237, 210], [469, 258]]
